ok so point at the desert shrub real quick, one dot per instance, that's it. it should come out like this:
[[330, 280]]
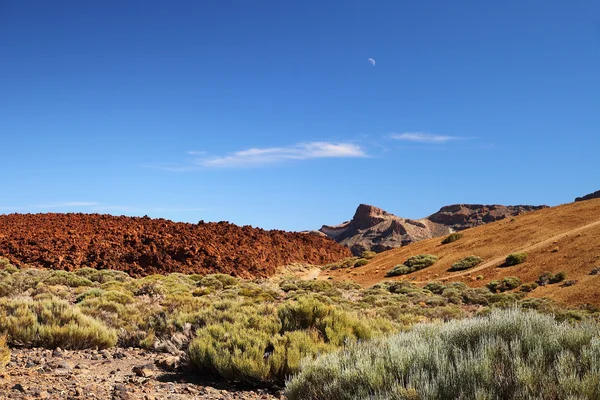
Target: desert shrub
[[420, 261], [528, 287], [52, 323], [435, 287], [548, 278], [514, 259], [103, 275], [65, 278], [288, 286], [397, 270], [412, 264], [595, 271], [360, 262], [368, 254], [453, 237], [96, 292], [4, 352], [568, 283], [436, 301], [559, 277], [479, 296], [466, 263], [453, 295], [507, 283], [507, 354], [345, 263]]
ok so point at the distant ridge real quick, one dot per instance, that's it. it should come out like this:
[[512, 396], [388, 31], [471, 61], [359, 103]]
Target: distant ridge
[[595, 195], [374, 229]]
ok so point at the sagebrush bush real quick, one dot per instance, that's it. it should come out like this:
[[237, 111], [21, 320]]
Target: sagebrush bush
[[412, 264], [368, 254], [360, 262], [515, 258], [453, 237], [548, 278], [465, 263], [508, 354], [51, 324], [4, 352], [420, 261], [397, 270], [528, 287], [507, 283]]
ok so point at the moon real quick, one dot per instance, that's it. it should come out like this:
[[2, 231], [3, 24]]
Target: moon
[[371, 60]]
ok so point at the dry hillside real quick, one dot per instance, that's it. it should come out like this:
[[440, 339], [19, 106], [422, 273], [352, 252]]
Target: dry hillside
[[564, 238]]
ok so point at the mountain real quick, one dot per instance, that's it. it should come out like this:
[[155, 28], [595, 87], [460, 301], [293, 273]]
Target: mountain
[[595, 195], [374, 229], [565, 239], [143, 246]]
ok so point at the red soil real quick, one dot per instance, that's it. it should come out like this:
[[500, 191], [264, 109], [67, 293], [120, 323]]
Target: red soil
[[143, 246]]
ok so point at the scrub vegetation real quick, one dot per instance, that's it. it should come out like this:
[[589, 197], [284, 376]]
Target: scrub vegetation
[[255, 331]]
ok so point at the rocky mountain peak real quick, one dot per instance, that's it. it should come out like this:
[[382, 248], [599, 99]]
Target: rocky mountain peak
[[366, 216]]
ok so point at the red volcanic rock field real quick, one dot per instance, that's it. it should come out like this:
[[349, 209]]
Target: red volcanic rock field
[[143, 246]]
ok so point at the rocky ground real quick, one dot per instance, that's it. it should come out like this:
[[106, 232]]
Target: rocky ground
[[145, 246], [116, 374]]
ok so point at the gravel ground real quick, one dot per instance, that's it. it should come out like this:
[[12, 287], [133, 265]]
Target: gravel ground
[[117, 374]]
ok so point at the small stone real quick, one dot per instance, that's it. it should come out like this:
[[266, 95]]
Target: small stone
[[168, 363], [19, 388], [145, 371]]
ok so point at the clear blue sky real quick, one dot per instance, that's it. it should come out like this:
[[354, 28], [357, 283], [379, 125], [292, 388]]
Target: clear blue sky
[[269, 113]]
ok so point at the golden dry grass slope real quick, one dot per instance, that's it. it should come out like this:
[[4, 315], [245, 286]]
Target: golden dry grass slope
[[563, 238]]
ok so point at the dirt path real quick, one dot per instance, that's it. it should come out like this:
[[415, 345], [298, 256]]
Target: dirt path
[[313, 273], [535, 246]]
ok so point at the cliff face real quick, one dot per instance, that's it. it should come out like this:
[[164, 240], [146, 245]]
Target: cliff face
[[142, 246], [374, 229]]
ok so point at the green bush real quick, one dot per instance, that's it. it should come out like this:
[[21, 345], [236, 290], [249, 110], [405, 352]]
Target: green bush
[[466, 263], [435, 287], [66, 278], [507, 283], [397, 270], [412, 264], [51, 324], [360, 262], [368, 254], [508, 354], [421, 261], [515, 258], [453, 237], [547, 278], [528, 287]]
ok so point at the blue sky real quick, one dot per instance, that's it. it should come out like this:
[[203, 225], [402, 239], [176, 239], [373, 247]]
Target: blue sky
[[269, 113]]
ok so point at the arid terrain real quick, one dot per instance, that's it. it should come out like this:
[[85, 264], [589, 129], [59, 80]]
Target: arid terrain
[[144, 246], [377, 230], [565, 238], [112, 374]]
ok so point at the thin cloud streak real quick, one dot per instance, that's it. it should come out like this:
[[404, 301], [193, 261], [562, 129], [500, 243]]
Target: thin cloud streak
[[423, 137], [270, 155]]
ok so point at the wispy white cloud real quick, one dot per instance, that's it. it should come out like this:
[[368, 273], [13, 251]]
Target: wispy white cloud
[[270, 155], [423, 137]]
